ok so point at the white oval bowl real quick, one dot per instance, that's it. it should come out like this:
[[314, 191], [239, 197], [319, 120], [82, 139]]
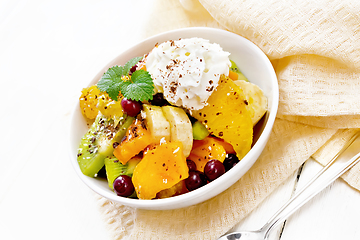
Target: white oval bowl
[[253, 63]]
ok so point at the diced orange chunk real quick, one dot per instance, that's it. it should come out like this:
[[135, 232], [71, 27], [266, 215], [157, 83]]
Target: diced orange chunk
[[177, 189], [226, 116], [143, 67], [161, 168], [227, 146], [233, 75], [206, 150], [136, 139]]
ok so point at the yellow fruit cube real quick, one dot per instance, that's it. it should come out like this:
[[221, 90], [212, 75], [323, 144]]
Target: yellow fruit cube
[[226, 116], [161, 168]]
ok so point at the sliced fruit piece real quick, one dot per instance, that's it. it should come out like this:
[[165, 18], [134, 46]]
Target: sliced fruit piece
[[131, 164], [137, 138], [110, 108], [88, 101], [227, 146], [114, 168], [257, 101], [206, 150], [226, 116], [234, 68], [177, 189], [233, 75], [97, 143], [161, 168], [180, 127], [156, 123], [199, 131]]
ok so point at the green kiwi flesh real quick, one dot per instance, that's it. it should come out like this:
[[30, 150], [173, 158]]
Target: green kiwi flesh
[[235, 68], [114, 168], [98, 143]]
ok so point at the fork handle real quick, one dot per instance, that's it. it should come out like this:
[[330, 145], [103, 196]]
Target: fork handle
[[347, 157]]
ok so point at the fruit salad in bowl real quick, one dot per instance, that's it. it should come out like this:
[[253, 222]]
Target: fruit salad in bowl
[[175, 120]]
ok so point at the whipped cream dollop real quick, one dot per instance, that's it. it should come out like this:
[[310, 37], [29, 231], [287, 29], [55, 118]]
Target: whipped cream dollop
[[187, 71]]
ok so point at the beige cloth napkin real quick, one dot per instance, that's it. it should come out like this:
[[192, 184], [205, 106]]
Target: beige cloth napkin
[[315, 49]]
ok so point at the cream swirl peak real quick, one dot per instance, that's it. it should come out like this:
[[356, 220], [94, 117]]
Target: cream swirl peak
[[187, 71]]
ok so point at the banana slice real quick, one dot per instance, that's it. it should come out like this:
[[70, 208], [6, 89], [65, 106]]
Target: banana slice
[[257, 101], [156, 122], [180, 127]]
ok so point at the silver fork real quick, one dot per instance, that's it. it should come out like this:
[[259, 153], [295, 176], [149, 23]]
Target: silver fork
[[347, 157]]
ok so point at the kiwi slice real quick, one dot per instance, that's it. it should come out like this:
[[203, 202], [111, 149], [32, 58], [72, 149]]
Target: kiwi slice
[[235, 68], [114, 168], [98, 143], [199, 131]]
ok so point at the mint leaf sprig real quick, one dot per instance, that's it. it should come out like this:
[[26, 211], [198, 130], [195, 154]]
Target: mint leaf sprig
[[139, 86]]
